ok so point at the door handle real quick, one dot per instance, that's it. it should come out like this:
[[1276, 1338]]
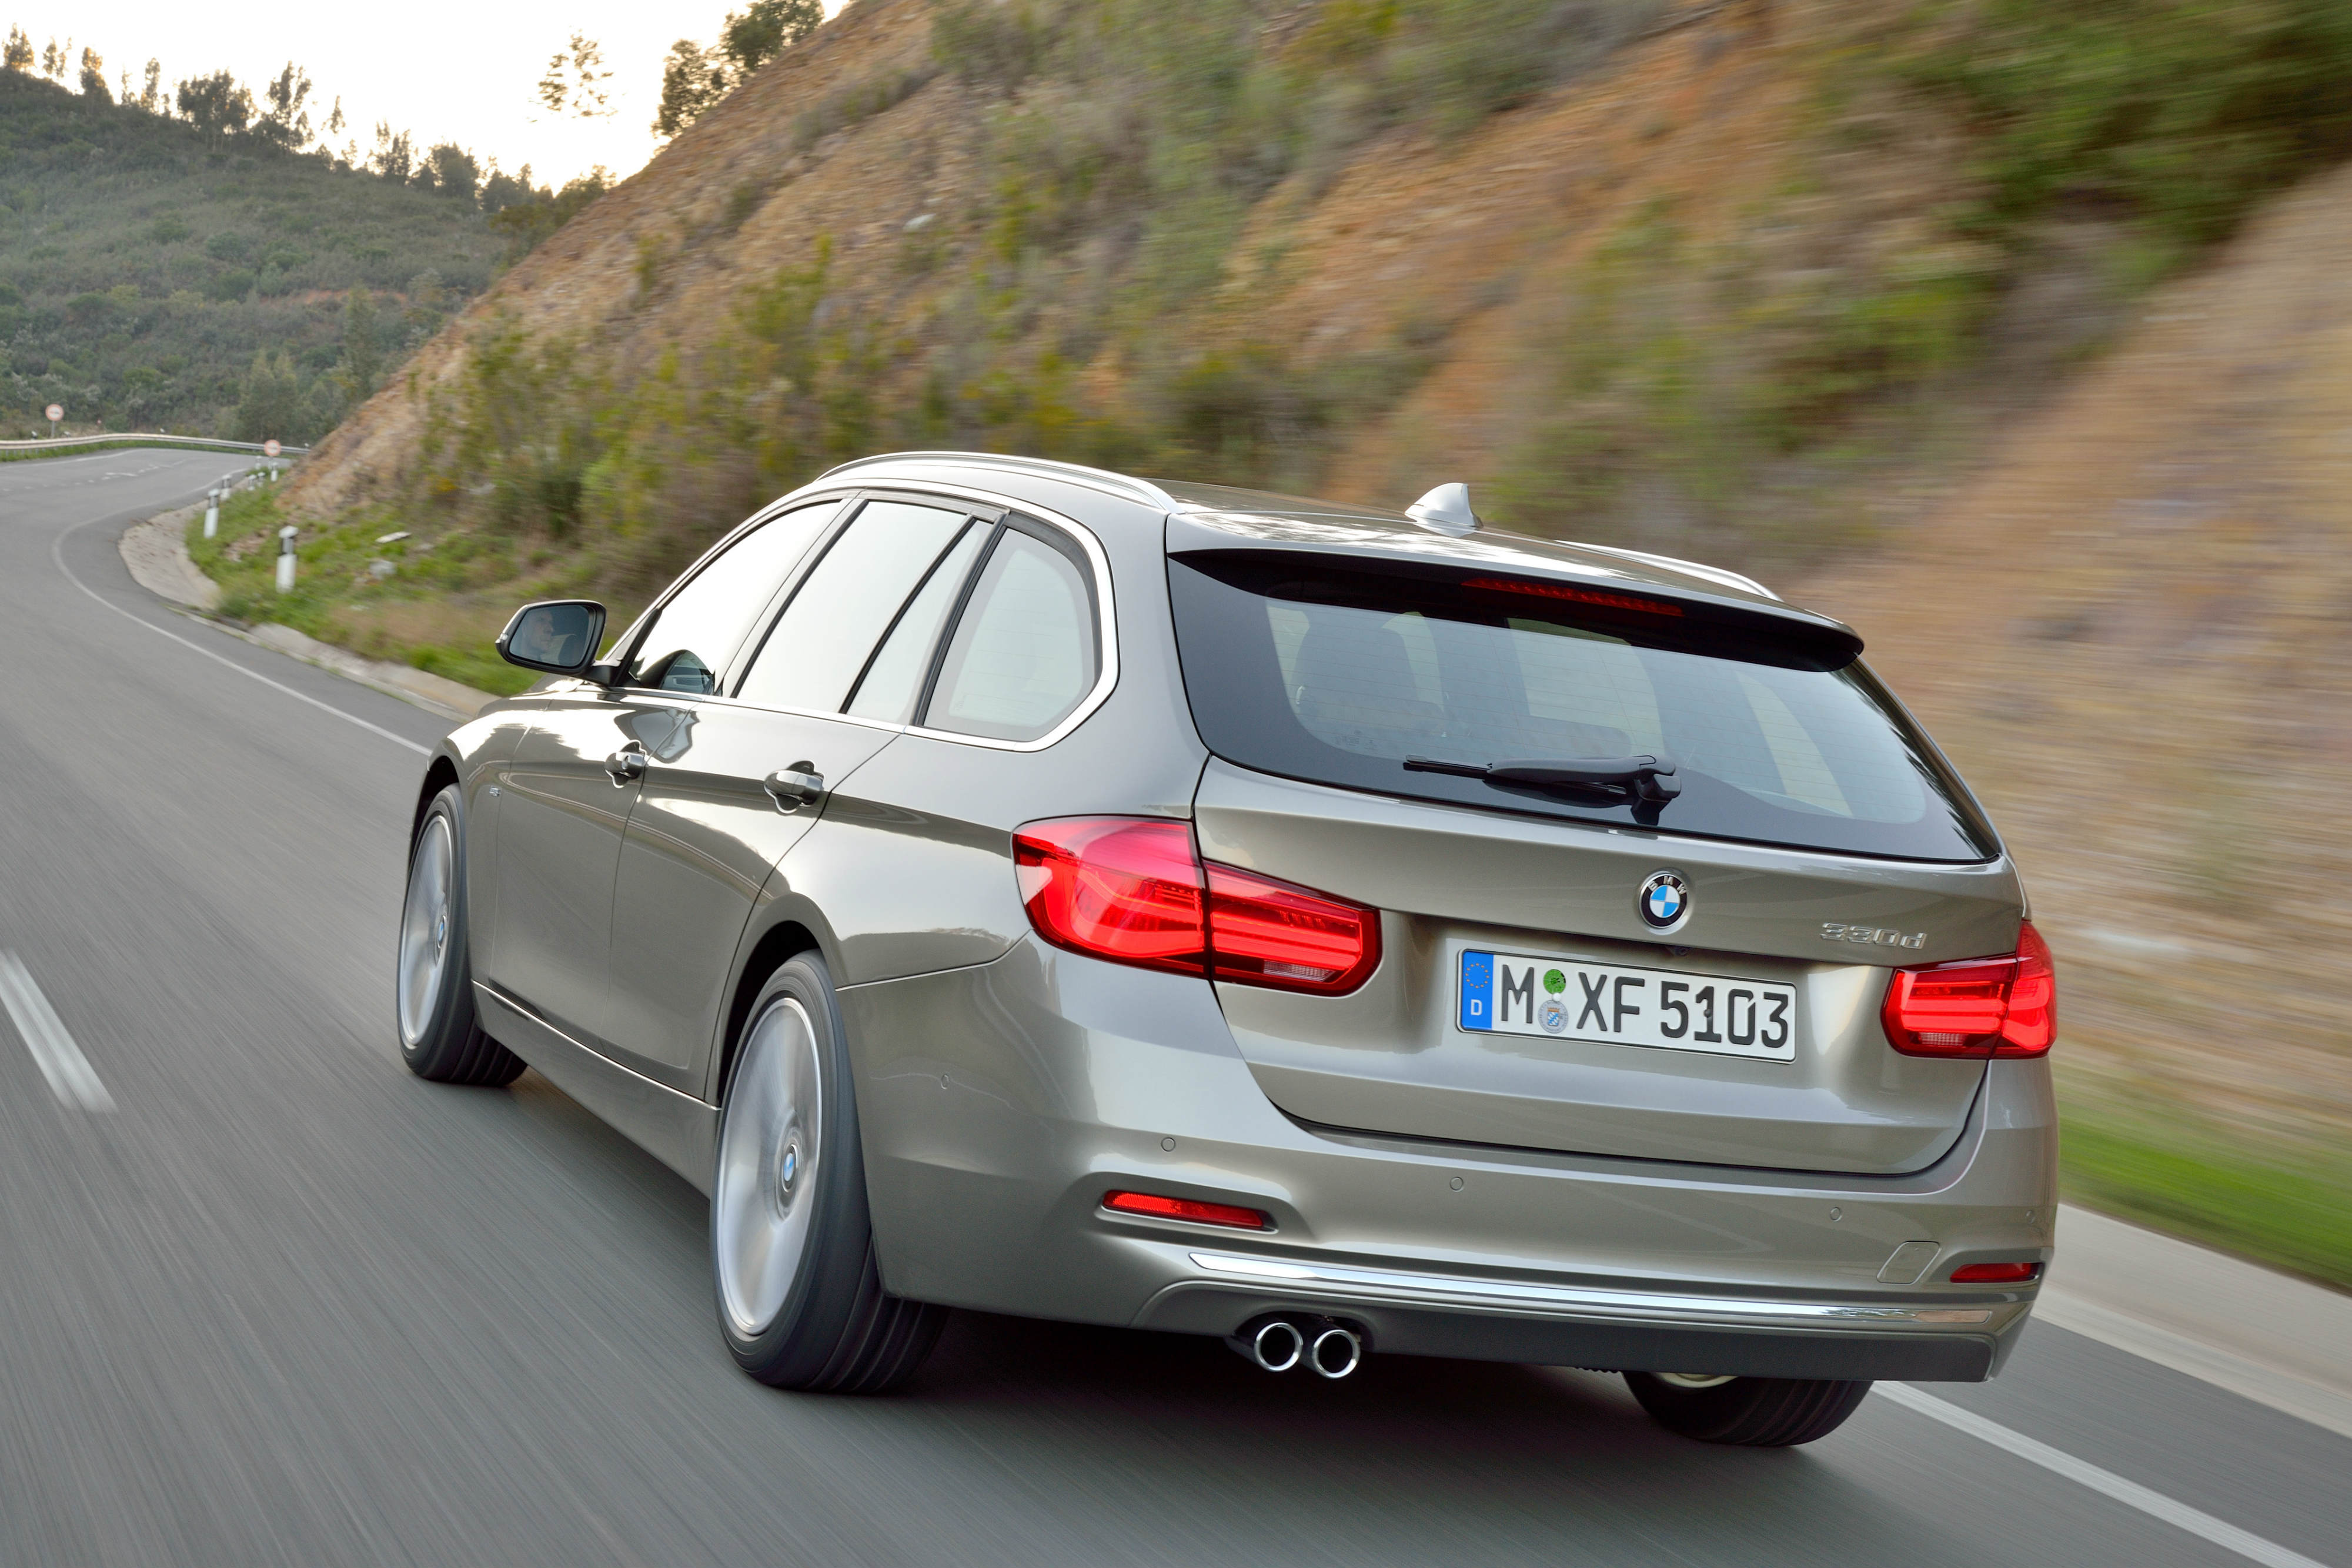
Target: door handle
[[625, 766], [796, 786]]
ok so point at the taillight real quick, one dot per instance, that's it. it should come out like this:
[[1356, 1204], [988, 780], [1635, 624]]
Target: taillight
[[1267, 932], [1192, 1208], [1133, 889], [1118, 887], [2006, 1005], [1994, 1273]]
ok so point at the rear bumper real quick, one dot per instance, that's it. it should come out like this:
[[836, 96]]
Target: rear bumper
[[998, 1103], [1409, 1313]]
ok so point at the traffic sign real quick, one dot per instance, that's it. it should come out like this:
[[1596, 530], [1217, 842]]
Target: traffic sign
[[56, 413], [270, 448]]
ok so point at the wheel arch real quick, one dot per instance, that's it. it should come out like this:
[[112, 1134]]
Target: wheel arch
[[439, 774], [780, 942]]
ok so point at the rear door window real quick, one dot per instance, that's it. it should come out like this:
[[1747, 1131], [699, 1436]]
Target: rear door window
[[1024, 654], [850, 600], [1330, 671]]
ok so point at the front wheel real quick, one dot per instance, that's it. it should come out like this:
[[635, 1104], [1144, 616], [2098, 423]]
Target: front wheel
[[1758, 1412], [440, 1036], [800, 1302]]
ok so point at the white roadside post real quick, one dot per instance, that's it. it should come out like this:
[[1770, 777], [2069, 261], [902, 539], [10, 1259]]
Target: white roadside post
[[286, 558], [212, 511]]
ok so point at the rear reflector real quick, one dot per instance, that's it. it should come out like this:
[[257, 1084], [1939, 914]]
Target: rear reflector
[[1134, 890], [1995, 1273], [1160, 1207], [2005, 1006]]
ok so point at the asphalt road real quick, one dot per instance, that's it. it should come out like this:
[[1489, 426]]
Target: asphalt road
[[283, 1303]]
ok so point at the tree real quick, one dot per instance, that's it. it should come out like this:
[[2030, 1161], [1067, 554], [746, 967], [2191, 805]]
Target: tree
[[53, 59], [93, 77], [272, 405], [454, 172], [361, 366], [765, 31], [285, 122], [527, 223], [150, 90], [18, 54], [574, 86], [695, 77], [395, 156], [217, 105], [501, 190]]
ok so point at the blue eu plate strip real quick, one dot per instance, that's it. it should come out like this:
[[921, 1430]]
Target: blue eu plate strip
[[1479, 990]]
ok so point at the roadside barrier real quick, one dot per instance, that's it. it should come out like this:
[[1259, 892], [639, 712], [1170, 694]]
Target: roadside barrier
[[62, 443]]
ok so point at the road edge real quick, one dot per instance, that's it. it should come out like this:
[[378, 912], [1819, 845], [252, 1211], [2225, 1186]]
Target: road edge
[[2270, 1337], [156, 553]]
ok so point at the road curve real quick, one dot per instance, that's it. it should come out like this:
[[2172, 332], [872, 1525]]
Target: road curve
[[283, 1303]]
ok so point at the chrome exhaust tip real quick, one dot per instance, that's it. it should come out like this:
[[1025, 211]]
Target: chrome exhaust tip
[[1336, 1352], [1276, 1344]]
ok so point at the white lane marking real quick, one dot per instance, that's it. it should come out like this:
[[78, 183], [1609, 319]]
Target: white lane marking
[[2155, 1504], [71, 1078], [57, 554]]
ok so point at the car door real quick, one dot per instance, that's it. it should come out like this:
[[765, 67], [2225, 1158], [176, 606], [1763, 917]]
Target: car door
[[575, 778], [742, 777]]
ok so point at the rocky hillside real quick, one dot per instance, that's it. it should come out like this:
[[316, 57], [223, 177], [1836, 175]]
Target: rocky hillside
[[1853, 293]]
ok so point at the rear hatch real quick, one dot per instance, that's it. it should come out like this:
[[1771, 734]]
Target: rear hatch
[[1594, 954]]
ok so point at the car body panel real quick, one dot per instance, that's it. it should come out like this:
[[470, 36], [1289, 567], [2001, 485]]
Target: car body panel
[[560, 817], [1388, 1057], [700, 844], [1000, 1101]]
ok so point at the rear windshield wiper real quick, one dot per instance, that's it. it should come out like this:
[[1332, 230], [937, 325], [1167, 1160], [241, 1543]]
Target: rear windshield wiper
[[1649, 779]]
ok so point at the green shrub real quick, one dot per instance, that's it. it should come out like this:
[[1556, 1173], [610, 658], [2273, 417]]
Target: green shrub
[[2183, 113]]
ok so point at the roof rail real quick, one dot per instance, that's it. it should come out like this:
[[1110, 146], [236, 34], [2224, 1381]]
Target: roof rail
[[1142, 490]]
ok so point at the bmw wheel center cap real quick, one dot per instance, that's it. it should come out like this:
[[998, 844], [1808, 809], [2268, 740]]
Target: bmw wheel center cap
[[1664, 900]]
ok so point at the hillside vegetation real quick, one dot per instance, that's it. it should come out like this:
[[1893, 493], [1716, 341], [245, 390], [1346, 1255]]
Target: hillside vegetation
[[154, 277], [1786, 285]]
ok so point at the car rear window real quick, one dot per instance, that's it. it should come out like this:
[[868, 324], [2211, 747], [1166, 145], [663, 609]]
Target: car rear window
[[1321, 670]]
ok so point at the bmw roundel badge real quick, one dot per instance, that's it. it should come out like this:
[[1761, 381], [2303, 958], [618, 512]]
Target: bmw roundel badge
[[1664, 900]]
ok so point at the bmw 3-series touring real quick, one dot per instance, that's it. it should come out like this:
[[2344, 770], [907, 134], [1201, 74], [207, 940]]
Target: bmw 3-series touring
[[1005, 884]]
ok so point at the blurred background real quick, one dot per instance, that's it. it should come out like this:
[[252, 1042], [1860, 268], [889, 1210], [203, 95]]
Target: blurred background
[[2016, 333]]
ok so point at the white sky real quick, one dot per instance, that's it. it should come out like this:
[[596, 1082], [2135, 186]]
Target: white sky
[[442, 70]]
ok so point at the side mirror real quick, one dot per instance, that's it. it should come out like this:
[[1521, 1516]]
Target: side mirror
[[557, 636]]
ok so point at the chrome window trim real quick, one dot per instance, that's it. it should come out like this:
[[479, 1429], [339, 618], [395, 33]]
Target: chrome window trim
[[1106, 621], [1442, 1289]]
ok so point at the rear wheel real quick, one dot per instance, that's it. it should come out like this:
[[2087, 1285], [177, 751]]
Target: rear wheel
[[440, 1036], [801, 1301], [1759, 1412]]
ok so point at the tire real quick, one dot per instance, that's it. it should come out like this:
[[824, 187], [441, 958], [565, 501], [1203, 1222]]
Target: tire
[[799, 1296], [440, 1036], [1757, 1412]]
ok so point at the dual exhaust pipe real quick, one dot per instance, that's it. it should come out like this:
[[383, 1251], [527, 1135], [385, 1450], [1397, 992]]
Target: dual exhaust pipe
[[1281, 1341]]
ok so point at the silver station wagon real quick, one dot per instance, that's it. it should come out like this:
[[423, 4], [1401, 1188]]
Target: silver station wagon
[[1006, 885]]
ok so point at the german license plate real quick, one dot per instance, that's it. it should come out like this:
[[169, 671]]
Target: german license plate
[[1612, 1004]]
